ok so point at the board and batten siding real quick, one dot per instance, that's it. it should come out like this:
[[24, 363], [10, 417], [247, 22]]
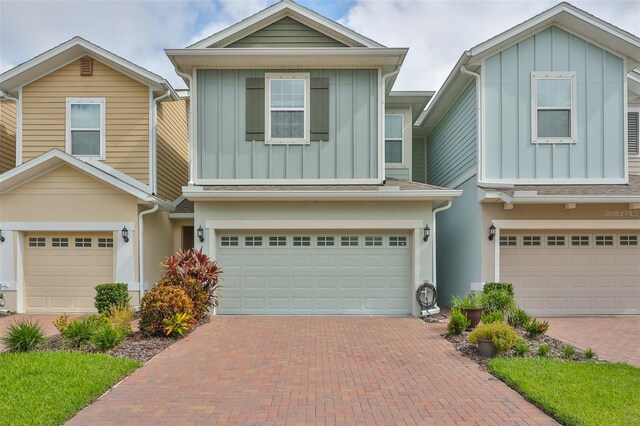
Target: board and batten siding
[[350, 153], [7, 135], [127, 115], [451, 146], [286, 32], [172, 135], [599, 149]]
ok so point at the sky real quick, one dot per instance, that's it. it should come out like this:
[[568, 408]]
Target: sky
[[437, 32]]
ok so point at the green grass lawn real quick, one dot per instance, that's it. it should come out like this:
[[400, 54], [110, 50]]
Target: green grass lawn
[[575, 393], [45, 388]]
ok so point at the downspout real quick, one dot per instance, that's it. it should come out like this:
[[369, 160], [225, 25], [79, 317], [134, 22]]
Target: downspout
[[191, 135], [434, 235], [475, 75], [154, 143], [141, 245], [383, 121]]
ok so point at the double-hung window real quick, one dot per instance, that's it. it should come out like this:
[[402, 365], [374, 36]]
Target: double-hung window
[[85, 127], [553, 107], [287, 109], [393, 135]]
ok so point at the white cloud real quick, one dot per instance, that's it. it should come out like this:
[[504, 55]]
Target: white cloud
[[438, 32]]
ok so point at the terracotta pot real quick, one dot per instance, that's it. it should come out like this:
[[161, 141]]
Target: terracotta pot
[[486, 348], [473, 315]]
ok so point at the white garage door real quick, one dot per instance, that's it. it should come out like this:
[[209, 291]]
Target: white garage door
[[573, 272], [302, 274], [62, 270]]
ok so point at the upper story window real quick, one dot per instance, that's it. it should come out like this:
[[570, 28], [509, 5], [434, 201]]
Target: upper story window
[[553, 107], [633, 119], [393, 136], [85, 127], [287, 108]]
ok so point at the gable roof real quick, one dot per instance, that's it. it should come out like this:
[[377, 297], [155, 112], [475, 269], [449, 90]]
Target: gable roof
[[277, 11], [54, 158], [72, 50], [563, 15]]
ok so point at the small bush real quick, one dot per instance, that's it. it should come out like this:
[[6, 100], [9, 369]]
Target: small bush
[[80, 331], [568, 351], [458, 322], [503, 336], [497, 299], [178, 324], [536, 328], [23, 336], [492, 317], [521, 349], [589, 353], [471, 301], [111, 294], [517, 317], [107, 336], [194, 289], [61, 323], [161, 303], [490, 287], [121, 317], [543, 350]]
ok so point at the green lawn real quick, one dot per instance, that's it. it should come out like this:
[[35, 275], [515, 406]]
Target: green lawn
[[575, 393], [45, 388]]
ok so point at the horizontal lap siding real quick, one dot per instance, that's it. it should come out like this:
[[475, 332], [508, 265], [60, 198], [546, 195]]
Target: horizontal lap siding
[[451, 146], [599, 151], [350, 152], [127, 115], [287, 32], [7, 135], [173, 148]]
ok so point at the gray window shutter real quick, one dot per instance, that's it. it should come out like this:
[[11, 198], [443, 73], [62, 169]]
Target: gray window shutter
[[632, 122], [254, 117], [319, 109]]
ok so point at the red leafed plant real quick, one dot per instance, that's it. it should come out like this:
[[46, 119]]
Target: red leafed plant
[[186, 265]]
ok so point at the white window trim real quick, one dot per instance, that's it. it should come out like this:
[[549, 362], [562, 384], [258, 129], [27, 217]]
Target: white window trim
[[401, 139], [103, 115], [555, 75], [636, 110], [306, 77]]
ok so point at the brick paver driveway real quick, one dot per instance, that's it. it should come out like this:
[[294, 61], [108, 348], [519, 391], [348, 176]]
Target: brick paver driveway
[[614, 338], [317, 370]]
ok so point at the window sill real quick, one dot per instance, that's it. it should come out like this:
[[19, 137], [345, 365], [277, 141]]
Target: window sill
[[551, 141], [287, 142], [395, 165], [88, 157]]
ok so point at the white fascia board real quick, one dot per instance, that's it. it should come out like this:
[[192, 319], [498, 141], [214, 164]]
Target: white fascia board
[[415, 195], [492, 196], [181, 215], [278, 11]]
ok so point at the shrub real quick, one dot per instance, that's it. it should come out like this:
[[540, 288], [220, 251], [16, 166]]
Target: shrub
[[543, 350], [194, 290], [61, 323], [503, 336], [568, 351], [80, 331], [521, 349], [492, 317], [23, 336], [458, 322], [589, 353], [497, 298], [121, 317], [107, 336], [177, 324], [111, 294], [536, 328], [161, 303], [471, 301], [195, 264], [517, 317]]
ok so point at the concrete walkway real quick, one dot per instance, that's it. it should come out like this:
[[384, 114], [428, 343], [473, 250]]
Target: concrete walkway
[[614, 338], [312, 370]]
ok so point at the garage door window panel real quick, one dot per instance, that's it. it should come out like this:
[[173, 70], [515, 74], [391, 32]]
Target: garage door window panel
[[83, 242], [229, 241], [628, 240], [105, 242], [604, 240], [397, 241], [325, 241], [373, 241], [59, 242], [277, 241], [531, 241], [349, 241], [555, 240], [508, 241], [580, 240], [37, 242], [253, 241], [302, 241]]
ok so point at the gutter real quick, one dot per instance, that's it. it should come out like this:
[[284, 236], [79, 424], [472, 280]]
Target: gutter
[[154, 143], [319, 195], [480, 159], [192, 144], [382, 125], [434, 276], [141, 246]]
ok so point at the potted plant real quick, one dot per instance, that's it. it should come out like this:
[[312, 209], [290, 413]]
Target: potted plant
[[493, 338], [471, 307]]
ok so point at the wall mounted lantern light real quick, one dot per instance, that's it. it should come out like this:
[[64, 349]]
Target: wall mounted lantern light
[[200, 234], [125, 234], [427, 233], [1, 237], [492, 232]]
